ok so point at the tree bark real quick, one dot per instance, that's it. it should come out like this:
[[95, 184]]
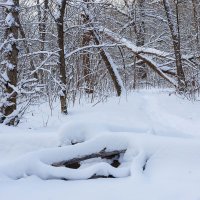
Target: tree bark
[[196, 22], [103, 53], [87, 36], [11, 62], [175, 33], [61, 59], [109, 66], [42, 19], [140, 34]]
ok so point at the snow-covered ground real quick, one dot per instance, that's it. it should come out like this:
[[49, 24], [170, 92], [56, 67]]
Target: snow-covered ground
[[160, 131]]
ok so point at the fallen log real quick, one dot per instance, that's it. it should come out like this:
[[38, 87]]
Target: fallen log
[[75, 162]]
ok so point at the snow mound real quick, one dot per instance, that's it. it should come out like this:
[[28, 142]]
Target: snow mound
[[79, 131], [40, 163]]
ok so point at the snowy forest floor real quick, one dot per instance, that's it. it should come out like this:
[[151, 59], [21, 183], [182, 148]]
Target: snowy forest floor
[[162, 128]]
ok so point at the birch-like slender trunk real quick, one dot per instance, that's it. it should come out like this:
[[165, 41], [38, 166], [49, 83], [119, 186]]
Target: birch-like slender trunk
[[175, 34], [140, 33], [87, 37], [196, 22], [61, 58]]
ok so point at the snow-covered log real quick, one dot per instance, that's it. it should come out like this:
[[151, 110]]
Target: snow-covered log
[[102, 154], [42, 163]]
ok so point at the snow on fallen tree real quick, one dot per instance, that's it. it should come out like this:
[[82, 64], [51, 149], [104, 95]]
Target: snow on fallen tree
[[145, 54], [103, 154], [49, 163]]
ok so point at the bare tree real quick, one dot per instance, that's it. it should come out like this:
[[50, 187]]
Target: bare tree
[[87, 37], [196, 21], [10, 52], [61, 60], [175, 33]]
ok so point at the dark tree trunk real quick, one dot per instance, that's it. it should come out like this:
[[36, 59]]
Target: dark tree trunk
[[109, 66], [196, 22], [42, 19], [140, 34], [87, 36], [11, 62], [61, 60], [104, 54], [174, 29]]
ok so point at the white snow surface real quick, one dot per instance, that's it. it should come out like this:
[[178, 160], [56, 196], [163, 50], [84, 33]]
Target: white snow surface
[[10, 20], [161, 133]]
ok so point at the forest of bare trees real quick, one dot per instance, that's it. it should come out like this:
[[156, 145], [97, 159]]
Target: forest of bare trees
[[67, 50]]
